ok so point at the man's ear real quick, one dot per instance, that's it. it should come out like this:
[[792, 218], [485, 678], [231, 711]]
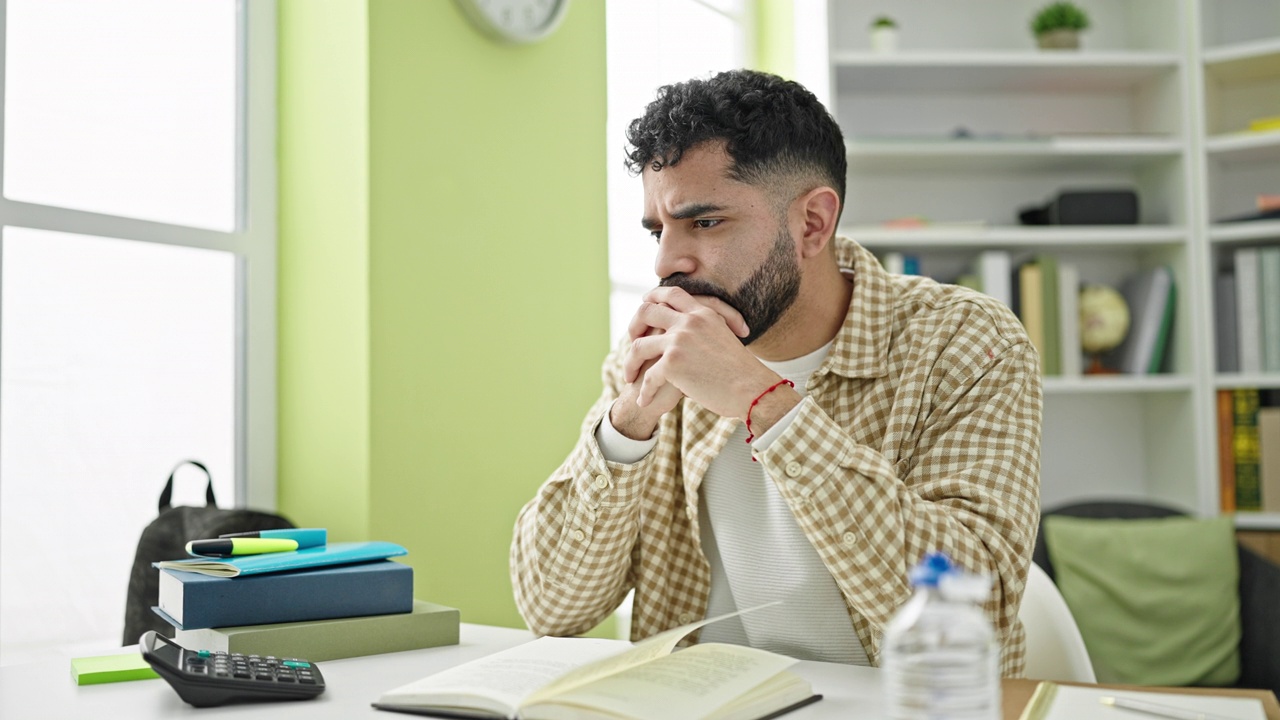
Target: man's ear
[[818, 210]]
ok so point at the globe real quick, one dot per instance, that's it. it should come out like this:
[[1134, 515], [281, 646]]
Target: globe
[[1104, 322]]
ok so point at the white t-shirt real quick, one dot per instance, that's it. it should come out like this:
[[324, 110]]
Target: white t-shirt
[[757, 552]]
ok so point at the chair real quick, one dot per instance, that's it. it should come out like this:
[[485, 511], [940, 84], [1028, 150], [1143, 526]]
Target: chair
[[1055, 649], [1259, 590]]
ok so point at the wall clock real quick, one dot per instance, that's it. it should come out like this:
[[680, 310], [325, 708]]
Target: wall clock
[[515, 21]]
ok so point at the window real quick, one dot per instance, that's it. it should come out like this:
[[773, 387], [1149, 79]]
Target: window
[[137, 292], [652, 43]]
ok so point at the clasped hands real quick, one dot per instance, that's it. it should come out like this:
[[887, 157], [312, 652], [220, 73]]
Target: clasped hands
[[690, 346]]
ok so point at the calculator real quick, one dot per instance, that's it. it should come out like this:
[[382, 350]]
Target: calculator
[[204, 678]]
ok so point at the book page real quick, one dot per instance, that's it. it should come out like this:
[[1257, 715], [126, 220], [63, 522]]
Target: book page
[[644, 651], [697, 681], [499, 682]]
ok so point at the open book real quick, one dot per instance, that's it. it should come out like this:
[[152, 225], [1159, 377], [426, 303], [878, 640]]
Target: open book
[[572, 678], [1052, 701]]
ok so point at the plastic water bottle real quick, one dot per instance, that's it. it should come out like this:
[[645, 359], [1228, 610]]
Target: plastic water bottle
[[940, 659]]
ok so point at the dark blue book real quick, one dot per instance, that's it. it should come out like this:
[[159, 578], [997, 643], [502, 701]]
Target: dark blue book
[[192, 600]]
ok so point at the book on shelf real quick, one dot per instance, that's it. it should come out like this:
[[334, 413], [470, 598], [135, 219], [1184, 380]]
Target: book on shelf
[[1226, 455], [1151, 296], [586, 677], [1224, 323], [1269, 306], [1269, 458], [1244, 448], [1248, 310], [192, 600], [1052, 701], [1051, 359], [995, 271], [427, 625], [1072, 360], [1030, 294]]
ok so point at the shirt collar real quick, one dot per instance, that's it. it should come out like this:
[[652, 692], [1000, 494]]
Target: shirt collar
[[861, 347]]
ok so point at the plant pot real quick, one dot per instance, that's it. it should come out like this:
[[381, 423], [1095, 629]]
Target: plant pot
[[1059, 40], [884, 39]]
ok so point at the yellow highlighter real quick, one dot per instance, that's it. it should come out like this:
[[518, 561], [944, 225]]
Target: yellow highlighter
[[229, 547]]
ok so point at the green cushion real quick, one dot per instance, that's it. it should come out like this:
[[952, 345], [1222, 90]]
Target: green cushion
[[1157, 601]]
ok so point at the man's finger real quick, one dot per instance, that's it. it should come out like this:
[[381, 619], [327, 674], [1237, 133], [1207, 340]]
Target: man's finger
[[651, 318], [731, 316], [644, 351]]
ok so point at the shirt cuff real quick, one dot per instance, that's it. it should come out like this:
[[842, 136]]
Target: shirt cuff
[[773, 433], [618, 448]]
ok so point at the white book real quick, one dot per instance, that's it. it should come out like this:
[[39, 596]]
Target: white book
[[1067, 702], [1150, 295], [995, 267], [1069, 320], [1269, 297], [552, 678], [1248, 311]]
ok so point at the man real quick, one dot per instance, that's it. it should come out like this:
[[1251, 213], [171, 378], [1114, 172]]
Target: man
[[785, 421]]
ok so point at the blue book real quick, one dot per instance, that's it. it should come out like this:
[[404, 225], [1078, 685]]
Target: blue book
[[331, 554], [192, 600]]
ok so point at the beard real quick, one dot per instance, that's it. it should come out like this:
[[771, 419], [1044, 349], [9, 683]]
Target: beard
[[764, 297]]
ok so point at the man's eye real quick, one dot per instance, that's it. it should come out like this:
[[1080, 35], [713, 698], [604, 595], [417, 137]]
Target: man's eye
[[705, 224]]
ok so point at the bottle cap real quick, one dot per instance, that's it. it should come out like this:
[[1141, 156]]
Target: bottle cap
[[930, 570]]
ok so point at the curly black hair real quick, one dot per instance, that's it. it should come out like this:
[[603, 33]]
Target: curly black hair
[[770, 126]]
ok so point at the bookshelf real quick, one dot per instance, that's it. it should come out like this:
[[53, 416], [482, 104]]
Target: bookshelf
[[968, 122]]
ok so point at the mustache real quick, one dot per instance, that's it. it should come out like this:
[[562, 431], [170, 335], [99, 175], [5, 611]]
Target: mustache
[[695, 286]]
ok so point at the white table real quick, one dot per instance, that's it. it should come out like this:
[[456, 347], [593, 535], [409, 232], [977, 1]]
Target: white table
[[46, 689]]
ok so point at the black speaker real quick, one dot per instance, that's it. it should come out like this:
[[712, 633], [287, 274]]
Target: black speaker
[[1085, 207]]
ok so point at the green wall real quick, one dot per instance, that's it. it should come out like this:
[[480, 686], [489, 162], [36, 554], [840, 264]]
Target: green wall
[[443, 277]]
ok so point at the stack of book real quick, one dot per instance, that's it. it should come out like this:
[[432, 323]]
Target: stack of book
[[1249, 449], [322, 601], [1247, 306]]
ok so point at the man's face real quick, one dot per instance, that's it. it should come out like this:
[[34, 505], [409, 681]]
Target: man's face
[[720, 237]]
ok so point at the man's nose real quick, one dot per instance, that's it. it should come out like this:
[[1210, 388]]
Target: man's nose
[[674, 256]]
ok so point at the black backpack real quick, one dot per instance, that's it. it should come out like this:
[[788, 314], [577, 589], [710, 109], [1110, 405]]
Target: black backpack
[[166, 539]]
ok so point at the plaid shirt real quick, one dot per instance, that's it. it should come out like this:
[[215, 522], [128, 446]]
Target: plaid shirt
[[920, 431]]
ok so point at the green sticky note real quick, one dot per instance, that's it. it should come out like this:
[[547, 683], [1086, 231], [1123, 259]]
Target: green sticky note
[[111, 668]]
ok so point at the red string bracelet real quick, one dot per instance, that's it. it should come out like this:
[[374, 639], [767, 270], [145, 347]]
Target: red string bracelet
[[750, 434]]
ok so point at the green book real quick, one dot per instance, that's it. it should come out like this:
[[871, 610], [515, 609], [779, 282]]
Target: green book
[[111, 668], [428, 625], [1052, 360], [1244, 443]]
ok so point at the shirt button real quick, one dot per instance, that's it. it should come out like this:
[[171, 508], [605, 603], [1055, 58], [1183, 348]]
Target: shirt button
[[793, 469], [849, 539], [602, 482], [579, 535], [685, 618]]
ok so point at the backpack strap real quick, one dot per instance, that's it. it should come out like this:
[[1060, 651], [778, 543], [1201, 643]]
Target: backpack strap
[[167, 495]]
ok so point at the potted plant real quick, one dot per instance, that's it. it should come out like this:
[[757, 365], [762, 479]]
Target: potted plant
[[884, 34], [1058, 25]]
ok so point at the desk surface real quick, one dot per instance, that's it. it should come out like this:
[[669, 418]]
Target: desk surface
[[46, 690]]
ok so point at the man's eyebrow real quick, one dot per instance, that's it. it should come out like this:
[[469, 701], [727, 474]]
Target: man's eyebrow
[[687, 212]]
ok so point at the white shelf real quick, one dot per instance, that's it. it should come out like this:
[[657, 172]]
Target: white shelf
[[967, 72], [1250, 147], [1244, 231], [1257, 521], [1061, 153], [1111, 384], [1242, 62], [934, 238], [1265, 381]]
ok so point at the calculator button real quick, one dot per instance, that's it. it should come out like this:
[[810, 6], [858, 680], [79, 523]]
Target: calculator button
[[297, 663], [285, 678], [307, 680], [204, 653]]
